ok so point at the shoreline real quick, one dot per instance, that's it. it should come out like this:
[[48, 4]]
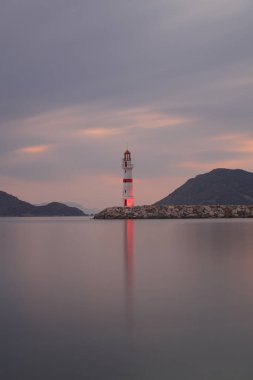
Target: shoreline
[[177, 212]]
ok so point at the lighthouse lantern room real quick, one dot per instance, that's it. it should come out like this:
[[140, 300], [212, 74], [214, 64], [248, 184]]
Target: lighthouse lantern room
[[128, 193]]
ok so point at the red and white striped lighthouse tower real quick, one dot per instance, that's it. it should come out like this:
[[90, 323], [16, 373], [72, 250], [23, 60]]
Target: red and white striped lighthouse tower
[[128, 192]]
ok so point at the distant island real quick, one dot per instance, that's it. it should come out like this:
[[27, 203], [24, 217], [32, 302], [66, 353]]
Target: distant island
[[221, 193], [12, 206]]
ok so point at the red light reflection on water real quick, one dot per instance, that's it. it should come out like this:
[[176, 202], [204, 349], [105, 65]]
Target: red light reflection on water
[[129, 264]]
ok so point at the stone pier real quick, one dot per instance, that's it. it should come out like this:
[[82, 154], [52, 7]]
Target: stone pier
[[177, 212]]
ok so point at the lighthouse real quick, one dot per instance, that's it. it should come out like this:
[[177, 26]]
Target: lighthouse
[[128, 192]]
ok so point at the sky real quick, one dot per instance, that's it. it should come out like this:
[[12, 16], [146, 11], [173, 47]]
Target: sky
[[82, 79]]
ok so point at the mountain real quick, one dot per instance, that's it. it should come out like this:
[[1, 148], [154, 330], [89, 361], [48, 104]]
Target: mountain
[[86, 210], [220, 186], [12, 206]]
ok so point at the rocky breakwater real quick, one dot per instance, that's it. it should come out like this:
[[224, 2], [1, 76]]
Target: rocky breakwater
[[176, 212]]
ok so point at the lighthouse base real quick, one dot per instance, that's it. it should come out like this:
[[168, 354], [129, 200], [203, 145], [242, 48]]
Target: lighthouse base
[[129, 202]]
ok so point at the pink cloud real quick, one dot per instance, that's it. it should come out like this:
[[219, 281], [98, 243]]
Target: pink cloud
[[34, 149]]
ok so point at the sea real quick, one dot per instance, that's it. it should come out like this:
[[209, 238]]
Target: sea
[[126, 299]]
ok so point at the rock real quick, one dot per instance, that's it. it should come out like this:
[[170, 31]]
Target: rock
[[176, 212]]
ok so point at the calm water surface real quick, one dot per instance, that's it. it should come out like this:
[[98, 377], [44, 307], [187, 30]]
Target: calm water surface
[[98, 300]]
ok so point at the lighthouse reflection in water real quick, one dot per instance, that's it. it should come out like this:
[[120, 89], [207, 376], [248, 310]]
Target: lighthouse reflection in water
[[129, 270]]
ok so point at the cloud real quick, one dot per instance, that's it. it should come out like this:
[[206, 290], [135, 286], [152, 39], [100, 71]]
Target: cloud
[[199, 167], [132, 52], [34, 149], [240, 142], [100, 132]]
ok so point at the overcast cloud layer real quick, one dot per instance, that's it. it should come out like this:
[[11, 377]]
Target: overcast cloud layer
[[82, 78]]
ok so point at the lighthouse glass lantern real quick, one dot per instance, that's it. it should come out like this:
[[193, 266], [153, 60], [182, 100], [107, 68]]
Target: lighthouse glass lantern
[[128, 193]]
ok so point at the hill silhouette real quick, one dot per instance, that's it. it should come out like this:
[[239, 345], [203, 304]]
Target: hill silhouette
[[12, 206], [220, 186]]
